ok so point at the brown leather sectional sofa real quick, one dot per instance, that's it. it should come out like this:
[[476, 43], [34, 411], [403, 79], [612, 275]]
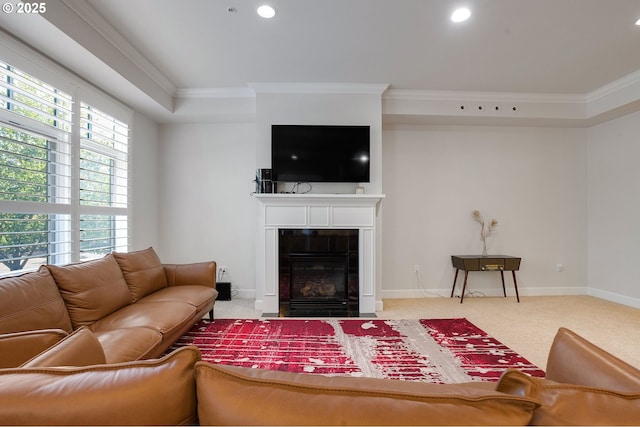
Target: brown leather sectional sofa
[[180, 389], [69, 377], [132, 304]]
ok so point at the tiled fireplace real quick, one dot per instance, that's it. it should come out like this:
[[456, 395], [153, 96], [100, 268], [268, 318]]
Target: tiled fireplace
[[316, 254]]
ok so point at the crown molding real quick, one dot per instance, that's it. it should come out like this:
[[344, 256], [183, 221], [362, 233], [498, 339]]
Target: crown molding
[[615, 87], [464, 96], [319, 88], [230, 92], [89, 15]]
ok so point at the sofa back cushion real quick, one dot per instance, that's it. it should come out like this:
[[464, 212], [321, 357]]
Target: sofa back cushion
[[150, 392], [243, 396], [81, 348], [142, 271], [574, 360], [92, 289], [32, 301], [570, 404]]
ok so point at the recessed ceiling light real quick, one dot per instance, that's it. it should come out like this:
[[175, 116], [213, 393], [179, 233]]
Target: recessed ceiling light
[[638, 22], [460, 15], [266, 11]]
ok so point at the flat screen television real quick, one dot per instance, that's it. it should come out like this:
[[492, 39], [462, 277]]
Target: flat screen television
[[320, 153]]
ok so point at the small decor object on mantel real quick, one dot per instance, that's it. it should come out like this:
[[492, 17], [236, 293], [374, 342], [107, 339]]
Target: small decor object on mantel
[[486, 229]]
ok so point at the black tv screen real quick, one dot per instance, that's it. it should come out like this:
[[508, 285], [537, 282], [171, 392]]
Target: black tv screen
[[320, 153]]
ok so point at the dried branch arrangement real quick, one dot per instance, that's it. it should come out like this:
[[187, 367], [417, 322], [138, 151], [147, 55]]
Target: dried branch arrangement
[[486, 229]]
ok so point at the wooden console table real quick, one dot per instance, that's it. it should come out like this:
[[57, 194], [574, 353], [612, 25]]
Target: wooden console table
[[499, 263]]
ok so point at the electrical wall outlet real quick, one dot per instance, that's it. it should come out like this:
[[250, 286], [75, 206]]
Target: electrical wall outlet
[[222, 269]]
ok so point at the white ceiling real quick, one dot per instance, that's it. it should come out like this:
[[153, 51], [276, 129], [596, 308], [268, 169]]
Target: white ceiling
[[546, 46], [570, 47]]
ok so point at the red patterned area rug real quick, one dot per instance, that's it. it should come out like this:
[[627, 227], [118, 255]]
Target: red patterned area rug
[[434, 350]]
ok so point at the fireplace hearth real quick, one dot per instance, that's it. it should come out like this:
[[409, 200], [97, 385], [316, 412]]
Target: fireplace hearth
[[318, 272]]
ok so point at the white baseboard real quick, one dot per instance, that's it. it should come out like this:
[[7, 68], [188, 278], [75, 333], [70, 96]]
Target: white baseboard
[[490, 292], [531, 292], [415, 293], [614, 297], [244, 293]]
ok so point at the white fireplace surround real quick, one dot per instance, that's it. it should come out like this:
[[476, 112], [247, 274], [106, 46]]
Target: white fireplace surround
[[320, 211]]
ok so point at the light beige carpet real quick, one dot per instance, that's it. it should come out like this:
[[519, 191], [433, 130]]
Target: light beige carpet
[[527, 327]]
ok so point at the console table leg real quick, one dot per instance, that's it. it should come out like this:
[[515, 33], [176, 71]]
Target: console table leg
[[504, 290], [515, 284], [455, 278], [464, 286]]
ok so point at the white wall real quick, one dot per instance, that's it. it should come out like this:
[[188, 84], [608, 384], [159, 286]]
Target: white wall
[[206, 211], [614, 210], [144, 172], [562, 196], [532, 180]]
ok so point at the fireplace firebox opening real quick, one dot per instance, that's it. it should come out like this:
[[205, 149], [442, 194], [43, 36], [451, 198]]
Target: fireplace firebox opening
[[318, 273]]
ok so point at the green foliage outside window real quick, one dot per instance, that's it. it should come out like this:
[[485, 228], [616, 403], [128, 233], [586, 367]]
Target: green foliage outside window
[[23, 176], [36, 173], [24, 166]]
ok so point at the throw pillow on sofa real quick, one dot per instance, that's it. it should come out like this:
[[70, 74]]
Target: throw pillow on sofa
[[91, 289], [229, 395], [570, 404], [143, 272], [150, 392]]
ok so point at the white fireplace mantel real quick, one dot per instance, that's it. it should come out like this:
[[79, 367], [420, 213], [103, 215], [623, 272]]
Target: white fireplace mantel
[[337, 211]]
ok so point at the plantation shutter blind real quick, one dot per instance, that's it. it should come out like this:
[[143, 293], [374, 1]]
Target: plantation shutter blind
[[35, 172], [103, 188]]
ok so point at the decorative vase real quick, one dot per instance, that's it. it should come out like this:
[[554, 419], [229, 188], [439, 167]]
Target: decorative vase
[[484, 247]]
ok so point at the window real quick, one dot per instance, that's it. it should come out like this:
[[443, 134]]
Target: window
[[63, 194], [103, 183]]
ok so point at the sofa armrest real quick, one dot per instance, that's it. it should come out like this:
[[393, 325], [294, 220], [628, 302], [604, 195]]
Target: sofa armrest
[[198, 273], [148, 392], [16, 348], [571, 404], [574, 360], [80, 348]]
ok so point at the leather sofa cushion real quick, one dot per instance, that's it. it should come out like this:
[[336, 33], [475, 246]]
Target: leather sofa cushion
[[126, 344], [163, 316], [150, 392], [153, 326], [570, 404], [19, 347], [32, 301], [143, 272], [91, 289], [200, 297], [81, 348], [244, 396], [574, 360]]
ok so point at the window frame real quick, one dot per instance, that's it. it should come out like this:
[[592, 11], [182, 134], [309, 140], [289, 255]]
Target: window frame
[[41, 68]]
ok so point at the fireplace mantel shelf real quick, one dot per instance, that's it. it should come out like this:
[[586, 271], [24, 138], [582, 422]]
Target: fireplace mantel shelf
[[276, 197]]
